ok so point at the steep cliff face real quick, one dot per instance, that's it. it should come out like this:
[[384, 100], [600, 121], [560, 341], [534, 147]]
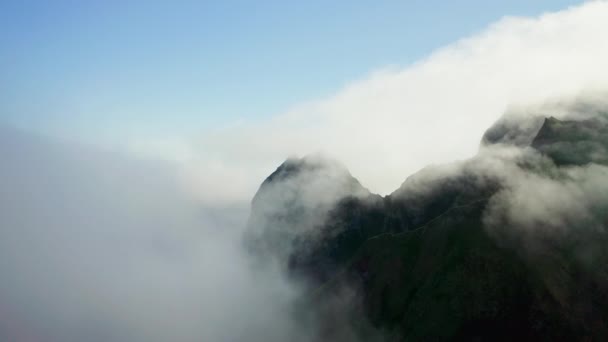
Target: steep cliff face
[[483, 248]]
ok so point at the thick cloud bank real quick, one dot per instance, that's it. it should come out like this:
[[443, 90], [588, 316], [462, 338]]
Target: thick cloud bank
[[399, 120], [99, 247]]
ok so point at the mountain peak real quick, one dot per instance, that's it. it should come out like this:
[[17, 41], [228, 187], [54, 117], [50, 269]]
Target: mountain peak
[[312, 163], [296, 199], [513, 130], [573, 142]]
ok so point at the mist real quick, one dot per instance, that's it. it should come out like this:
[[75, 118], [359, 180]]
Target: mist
[[98, 246]]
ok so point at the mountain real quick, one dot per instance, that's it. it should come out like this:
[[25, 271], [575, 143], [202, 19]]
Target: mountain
[[573, 142], [509, 244]]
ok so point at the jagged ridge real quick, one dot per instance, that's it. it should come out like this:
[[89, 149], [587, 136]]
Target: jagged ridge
[[422, 261]]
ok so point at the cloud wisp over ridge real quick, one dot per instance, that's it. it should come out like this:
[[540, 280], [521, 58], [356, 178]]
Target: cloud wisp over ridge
[[401, 119]]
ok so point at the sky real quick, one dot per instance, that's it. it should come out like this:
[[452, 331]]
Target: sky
[[113, 72], [229, 90]]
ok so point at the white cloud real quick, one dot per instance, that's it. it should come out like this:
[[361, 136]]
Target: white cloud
[[398, 120], [95, 246]]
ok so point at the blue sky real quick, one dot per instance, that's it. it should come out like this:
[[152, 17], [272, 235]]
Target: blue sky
[[108, 69]]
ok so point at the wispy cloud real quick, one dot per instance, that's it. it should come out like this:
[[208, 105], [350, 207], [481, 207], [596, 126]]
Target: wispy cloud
[[400, 119]]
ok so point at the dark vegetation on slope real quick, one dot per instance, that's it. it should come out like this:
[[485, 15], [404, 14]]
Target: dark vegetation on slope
[[422, 263], [573, 142]]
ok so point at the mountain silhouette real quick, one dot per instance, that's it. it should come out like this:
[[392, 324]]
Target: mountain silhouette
[[510, 244]]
